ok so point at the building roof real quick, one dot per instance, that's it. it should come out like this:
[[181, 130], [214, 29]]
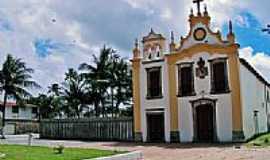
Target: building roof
[[13, 104], [152, 36], [9, 104], [253, 70]]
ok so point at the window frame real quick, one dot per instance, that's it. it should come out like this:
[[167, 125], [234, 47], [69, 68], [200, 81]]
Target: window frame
[[179, 67], [17, 110], [225, 64], [149, 95], [34, 109]]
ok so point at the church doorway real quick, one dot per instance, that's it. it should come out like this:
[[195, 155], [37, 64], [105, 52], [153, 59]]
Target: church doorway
[[204, 120], [205, 123], [155, 123]]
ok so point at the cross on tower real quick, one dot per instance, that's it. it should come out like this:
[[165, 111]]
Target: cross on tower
[[198, 2]]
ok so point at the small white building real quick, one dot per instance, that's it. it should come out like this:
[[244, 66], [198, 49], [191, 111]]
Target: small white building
[[19, 116], [17, 113]]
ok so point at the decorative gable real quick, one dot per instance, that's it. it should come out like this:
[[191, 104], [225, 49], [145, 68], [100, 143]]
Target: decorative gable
[[153, 46], [200, 32], [152, 36]]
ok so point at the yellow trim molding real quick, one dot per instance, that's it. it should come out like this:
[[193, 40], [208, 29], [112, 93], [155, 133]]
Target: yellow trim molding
[[136, 94], [173, 98], [236, 95]]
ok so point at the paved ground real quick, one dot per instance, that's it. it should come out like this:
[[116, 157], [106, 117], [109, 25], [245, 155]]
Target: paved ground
[[160, 151]]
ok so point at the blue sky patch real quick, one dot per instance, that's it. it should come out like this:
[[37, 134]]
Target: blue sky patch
[[5, 25], [250, 33], [44, 47]]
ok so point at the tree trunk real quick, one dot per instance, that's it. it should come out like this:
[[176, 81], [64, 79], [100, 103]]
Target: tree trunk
[[4, 115], [102, 109], [117, 108], [78, 112], [112, 102], [96, 108], [4, 110]]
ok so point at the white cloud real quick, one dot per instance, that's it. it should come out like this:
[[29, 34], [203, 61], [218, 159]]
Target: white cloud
[[83, 26], [32, 20], [241, 21], [166, 14], [261, 61]]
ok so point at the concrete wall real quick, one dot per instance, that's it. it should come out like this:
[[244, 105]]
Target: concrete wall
[[253, 95]]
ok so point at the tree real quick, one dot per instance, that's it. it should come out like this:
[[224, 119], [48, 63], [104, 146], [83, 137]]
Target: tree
[[120, 84], [54, 89], [57, 101], [15, 79], [109, 82], [73, 93], [96, 76], [44, 102]]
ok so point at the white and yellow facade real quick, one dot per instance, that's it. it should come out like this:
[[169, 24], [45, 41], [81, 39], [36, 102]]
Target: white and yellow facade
[[239, 113]]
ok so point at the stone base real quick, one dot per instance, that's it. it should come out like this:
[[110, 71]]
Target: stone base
[[238, 136], [175, 136], [138, 137]]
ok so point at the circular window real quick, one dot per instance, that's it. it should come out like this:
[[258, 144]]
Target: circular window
[[199, 34]]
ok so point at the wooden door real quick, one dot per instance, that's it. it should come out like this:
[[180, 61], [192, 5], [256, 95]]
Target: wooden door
[[205, 124], [155, 127]]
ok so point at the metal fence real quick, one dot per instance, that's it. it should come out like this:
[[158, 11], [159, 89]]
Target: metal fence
[[120, 129]]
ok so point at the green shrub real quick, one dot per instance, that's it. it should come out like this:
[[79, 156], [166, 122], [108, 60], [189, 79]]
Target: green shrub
[[257, 144], [59, 149], [266, 140]]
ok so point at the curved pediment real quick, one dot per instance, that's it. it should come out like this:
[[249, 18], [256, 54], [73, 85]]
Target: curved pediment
[[198, 48], [201, 33]]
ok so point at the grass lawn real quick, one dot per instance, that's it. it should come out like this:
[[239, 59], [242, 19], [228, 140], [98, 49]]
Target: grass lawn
[[17, 152], [260, 141]]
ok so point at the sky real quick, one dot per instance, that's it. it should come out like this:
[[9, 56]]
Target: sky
[[54, 35]]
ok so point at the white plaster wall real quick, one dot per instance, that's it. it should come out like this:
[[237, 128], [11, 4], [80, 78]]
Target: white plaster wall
[[24, 113], [155, 103], [268, 107], [223, 106], [253, 98], [223, 117]]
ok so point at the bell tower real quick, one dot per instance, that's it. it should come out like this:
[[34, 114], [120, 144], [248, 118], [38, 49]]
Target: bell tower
[[153, 46]]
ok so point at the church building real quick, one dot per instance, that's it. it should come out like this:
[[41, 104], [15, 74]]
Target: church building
[[198, 89]]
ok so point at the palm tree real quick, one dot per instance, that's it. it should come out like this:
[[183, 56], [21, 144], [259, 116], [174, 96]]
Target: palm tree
[[96, 76], [44, 103], [121, 84], [74, 94], [114, 58], [57, 101], [54, 89], [15, 79]]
